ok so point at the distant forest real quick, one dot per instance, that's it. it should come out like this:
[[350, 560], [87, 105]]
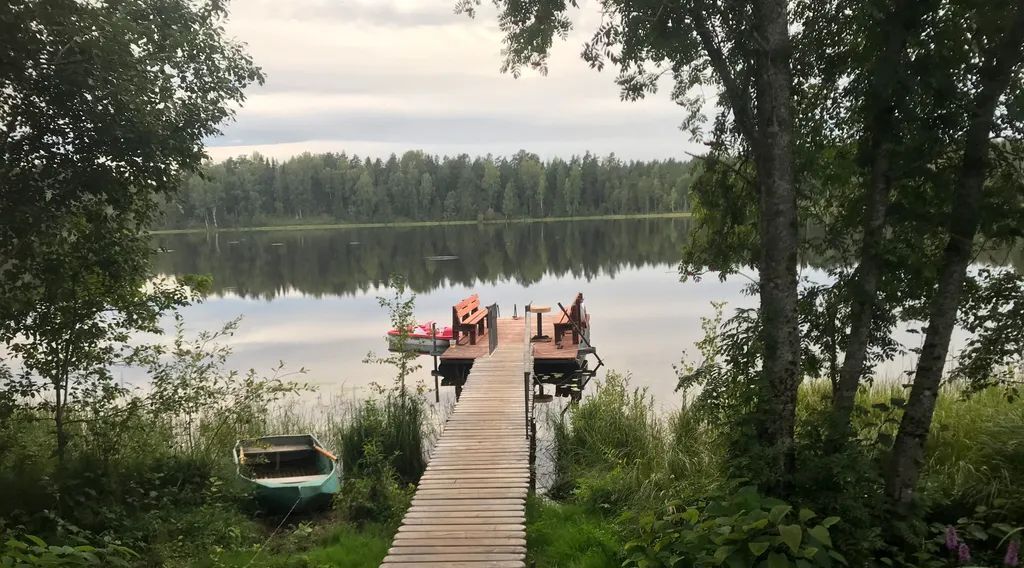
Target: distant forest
[[310, 188]]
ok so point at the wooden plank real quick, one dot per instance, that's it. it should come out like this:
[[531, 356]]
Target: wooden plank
[[433, 507], [434, 520], [440, 533], [483, 549], [426, 515], [459, 557], [475, 527], [475, 564]]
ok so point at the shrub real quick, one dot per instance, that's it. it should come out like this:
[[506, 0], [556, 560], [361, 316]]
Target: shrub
[[29, 551], [376, 495], [394, 427], [743, 530]]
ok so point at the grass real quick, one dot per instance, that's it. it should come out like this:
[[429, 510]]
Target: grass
[[398, 224], [615, 452], [342, 545], [569, 536], [616, 462], [975, 452]]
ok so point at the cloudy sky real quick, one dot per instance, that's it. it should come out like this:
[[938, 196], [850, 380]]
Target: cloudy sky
[[380, 76]]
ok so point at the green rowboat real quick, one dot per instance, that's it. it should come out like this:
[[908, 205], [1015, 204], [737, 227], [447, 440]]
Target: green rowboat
[[291, 473]]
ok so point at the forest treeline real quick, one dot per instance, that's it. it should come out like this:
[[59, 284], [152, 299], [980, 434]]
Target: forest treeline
[[332, 187]]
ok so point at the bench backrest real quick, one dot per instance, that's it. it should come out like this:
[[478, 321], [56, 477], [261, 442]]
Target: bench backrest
[[465, 308]]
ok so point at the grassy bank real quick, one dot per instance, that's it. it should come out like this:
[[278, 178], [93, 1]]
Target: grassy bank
[[148, 480], [402, 224], [618, 464]]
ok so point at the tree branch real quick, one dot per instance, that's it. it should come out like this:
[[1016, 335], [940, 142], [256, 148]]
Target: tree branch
[[739, 99]]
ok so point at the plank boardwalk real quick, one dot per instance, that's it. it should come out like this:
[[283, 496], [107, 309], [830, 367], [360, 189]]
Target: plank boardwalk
[[469, 508]]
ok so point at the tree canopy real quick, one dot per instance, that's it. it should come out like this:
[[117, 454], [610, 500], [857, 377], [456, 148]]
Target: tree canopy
[[104, 106], [255, 190]]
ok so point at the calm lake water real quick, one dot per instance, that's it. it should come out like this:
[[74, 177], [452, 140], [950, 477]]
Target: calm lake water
[[309, 298]]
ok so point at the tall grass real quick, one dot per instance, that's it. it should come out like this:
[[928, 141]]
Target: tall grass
[[396, 426], [976, 451], [614, 452], [615, 457]]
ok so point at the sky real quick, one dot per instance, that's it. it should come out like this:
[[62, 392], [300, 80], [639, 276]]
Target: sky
[[375, 77]]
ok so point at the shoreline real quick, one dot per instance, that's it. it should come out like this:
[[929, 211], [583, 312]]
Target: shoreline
[[404, 224]]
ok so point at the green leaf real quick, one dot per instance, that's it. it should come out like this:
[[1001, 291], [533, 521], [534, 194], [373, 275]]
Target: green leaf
[[842, 559], [829, 521], [806, 515], [821, 534], [777, 512], [776, 560], [758, 525], [722, 553], [792, 535], [758, 548]]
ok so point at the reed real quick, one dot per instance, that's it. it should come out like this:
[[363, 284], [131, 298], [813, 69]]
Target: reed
[[615, 452]]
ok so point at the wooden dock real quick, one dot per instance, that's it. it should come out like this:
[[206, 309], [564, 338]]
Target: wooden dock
[[469, 508], [544, 350]]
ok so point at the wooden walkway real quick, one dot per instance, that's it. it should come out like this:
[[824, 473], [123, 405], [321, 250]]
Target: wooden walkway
[[469, 508]]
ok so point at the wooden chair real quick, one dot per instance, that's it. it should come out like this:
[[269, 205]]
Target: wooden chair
[[468, 317], [575, 322]]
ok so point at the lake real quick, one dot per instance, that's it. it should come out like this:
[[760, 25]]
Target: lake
[[309, 298]]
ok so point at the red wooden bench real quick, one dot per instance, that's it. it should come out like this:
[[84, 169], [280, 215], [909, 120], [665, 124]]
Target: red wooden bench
[[468, 317], [574, 322]]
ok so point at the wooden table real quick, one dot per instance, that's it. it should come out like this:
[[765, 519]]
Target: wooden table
[[540, 311]]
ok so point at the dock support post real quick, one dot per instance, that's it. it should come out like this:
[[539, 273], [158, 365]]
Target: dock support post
[[526, 400], [533, 456]]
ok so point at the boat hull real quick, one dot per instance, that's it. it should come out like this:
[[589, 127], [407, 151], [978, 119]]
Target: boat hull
[[307, 496], [424, 345]]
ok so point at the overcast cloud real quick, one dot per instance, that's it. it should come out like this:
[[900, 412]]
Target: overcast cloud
[[379, 76]]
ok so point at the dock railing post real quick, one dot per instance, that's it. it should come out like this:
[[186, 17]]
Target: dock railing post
[[437, 389], [492, 328]]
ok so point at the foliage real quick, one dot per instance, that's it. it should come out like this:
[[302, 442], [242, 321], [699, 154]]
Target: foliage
[[609, 453], [374, 493], [146, 468], [30, 551], [102, 113], [744, 529], [394, 427], [615, 454], [402, 312], [993, 314], [200, 402], [255, 190], [981, 538]]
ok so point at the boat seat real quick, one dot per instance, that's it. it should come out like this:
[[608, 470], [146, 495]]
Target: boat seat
[[276, 449]]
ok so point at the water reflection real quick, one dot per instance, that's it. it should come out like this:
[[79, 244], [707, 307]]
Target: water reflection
[[353, 261], [309, 297]]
